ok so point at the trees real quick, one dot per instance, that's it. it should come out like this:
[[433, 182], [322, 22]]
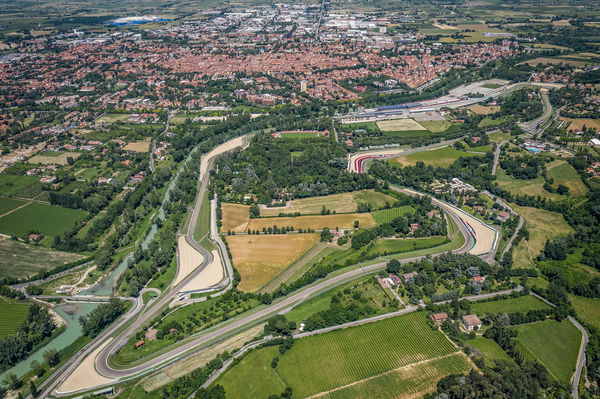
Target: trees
[[52, 357], [279, 325], [94, 322]]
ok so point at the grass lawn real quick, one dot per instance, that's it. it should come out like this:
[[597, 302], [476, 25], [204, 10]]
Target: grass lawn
[[498, 136], [443, 157], [8, 204], [542, 225], [22, 260], [400, 355], [436, 126], [259, 258], [489, 350], [511, 305], [587, 309], [553, 344], [563, 173], [491, 122], [13, 184], [49, 220], [572, 271], [399, 125], [12, 315], [394, 246]]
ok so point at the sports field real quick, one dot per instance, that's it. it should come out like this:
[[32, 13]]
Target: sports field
[[553, 344], [563, 173], [259, 258], [521, 304], [341, 220], [398, 357], [235, 217], [542, 225], [49, 220], [340, 203], [399, 125], [12, 315], [21, 260], [443, 157]]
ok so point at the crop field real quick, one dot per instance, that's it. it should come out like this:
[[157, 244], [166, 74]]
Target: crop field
[[587, 309], [511, 305], [12, 315], [259, 258], [387, 215], [8, 204], [21, 260], [58, 158], [488, 349], [577, 125], [563, 173], [443, 157], [12, 184], [341, 220], [138, 146], [235, 217], [340, 203], [49, 220], [542, 225], [436, 126], [483, 109], [391, 355], [300, 135], [395, 246], [555, 345], [555, 61], [399, 125]]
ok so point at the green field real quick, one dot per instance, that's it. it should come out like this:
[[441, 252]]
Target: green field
[[533, 187], [13, 184], [498, 136], [300, 135], [565, 174], [587, 309], [553, 344], [12, 315], [49, 220], [394, 246], [387, 215], [443, 157], [491, 122], [571, 270], [8, 204], [22, 260], [436, 126], [521, 304], [488, 349], [362, 356]]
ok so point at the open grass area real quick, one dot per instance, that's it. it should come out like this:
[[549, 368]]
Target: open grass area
[[484, 110], [138, 146], [511, 305], [399, 125], [443, 157], [542, 225], [400, 355], [498, 136], [341, 220], [340, 203], [259, 258], [587, 309], [235, 217], [49, 220], [571, 270], [532, 187], [555, 345], [386, 247], [9, 204], [489, 350], [577, 124], [491, 122], [56, 158], [387, 215], [436, 126], [13, 184], [12, 315], [563, 173], [22, 260]]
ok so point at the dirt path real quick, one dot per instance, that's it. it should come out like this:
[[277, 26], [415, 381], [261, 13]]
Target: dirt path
[[16, 209]]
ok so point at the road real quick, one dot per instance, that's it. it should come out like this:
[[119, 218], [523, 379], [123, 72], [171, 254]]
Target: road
[[533, 126], [497, 156]]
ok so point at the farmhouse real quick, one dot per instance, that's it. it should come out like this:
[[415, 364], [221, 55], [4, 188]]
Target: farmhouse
[[438, 317], [139, 344], [408, 277], [151, 335], [471, 322]]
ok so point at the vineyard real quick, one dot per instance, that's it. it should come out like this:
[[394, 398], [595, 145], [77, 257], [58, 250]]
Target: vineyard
[[360, 355], [49, 220], [387, 215], [12, 315]]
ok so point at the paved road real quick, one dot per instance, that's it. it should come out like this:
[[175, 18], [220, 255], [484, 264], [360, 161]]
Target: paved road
[[533, 126], [497, 156]]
